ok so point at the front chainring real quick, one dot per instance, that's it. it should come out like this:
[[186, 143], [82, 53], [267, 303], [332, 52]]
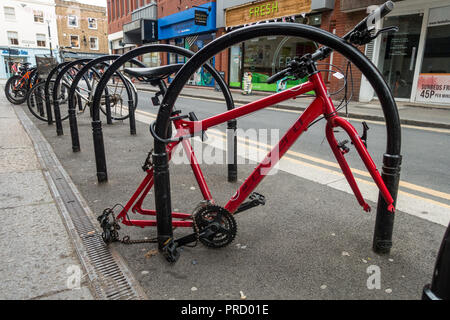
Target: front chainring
[[220, 221]]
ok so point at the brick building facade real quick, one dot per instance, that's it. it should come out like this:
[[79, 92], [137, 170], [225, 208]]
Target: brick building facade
[[82, 27]]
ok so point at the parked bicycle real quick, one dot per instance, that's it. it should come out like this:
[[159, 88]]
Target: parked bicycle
[[17, 86], [214, 225]]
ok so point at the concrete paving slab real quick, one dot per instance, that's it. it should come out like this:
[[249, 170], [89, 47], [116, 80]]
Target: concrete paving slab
[[18, 159], [12, 134], [72, 294], [35, 261], [23, 188]]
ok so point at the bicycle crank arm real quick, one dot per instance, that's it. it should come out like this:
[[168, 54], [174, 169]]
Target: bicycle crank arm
[[363, 153], [170, 250]]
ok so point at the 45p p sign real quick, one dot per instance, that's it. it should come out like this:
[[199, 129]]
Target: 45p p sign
[[433, 88]]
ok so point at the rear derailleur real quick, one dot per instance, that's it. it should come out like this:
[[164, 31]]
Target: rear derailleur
[[110, 228]]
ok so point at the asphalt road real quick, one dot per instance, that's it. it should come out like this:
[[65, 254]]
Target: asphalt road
[[425, 151]]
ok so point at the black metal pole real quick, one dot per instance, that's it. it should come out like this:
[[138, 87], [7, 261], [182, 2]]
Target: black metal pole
[[40, 102], [74, 127], [57, 89], [384, 222], [108, 107], [56, 110], [232, 150], [99, 149]]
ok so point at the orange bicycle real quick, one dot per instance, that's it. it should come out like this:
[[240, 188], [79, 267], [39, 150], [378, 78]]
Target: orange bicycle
[[18, 85]]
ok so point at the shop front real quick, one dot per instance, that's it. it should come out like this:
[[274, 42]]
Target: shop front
[[9, 56], [191, 29], [259, 58], [415, 61]]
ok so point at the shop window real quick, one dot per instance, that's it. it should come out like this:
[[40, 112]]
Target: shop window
[[75, 41], [13, 38], [398, 53], [151, 59], [93, 43], [72, 21], [436, 57], [38, 16], [92, 23], [235, 65], [40, 39], [265, 56], [10, 13], [433, 84]]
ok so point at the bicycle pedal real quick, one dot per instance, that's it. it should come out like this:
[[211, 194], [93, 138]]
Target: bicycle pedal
[[155, 101], [257, 197], [170, 252]]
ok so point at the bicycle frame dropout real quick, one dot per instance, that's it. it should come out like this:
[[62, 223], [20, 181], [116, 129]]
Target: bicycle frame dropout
[[322, 105]]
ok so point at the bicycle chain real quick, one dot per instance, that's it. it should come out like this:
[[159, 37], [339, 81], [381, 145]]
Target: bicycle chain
[[111, 234]]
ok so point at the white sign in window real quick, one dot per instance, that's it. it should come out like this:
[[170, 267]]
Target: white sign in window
[[439, 16]]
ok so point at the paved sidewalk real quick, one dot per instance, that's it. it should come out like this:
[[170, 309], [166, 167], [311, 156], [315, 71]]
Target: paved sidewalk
[[37, 256], [411, 114]]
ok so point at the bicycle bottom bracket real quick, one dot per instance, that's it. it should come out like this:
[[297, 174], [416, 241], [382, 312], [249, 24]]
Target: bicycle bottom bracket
[[215, 226]]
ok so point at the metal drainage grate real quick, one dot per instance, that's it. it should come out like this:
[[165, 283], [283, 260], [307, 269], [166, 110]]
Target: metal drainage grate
[[109, 277]]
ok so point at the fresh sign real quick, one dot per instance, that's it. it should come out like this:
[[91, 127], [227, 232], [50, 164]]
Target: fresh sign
[[266, 9]]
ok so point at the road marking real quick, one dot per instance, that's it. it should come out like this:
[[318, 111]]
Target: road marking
[[266, 147], [403, 184]]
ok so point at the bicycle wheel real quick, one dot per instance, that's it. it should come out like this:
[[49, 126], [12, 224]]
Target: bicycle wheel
[[118, 98], [15, 90], [36, 101]]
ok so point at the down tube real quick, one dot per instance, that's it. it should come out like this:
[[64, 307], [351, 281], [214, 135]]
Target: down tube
[[271, 159]]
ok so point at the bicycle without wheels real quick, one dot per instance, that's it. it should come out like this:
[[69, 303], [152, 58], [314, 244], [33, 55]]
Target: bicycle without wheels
[[215, 225]]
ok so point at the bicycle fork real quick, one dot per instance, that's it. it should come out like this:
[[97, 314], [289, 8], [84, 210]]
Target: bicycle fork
[[337, 121]]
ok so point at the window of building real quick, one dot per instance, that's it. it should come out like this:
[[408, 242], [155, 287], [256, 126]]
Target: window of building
[[436, 56], [75, 41], [40, 39], [72, 21], [13, 38], [265, 56], [92, 23], [398, 53], [10, 13], [93, 43], [38, 16]]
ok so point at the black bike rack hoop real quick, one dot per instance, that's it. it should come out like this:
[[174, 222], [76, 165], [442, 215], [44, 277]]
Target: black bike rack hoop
[[391, 160], [56, 109], [96, 123], [72, 112], [48, 104]]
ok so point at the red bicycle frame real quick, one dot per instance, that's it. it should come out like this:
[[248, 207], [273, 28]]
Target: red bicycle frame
[[322, 105]]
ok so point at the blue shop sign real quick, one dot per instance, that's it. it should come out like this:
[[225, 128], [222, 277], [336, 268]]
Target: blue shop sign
[[14, 52], [188, 22]]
